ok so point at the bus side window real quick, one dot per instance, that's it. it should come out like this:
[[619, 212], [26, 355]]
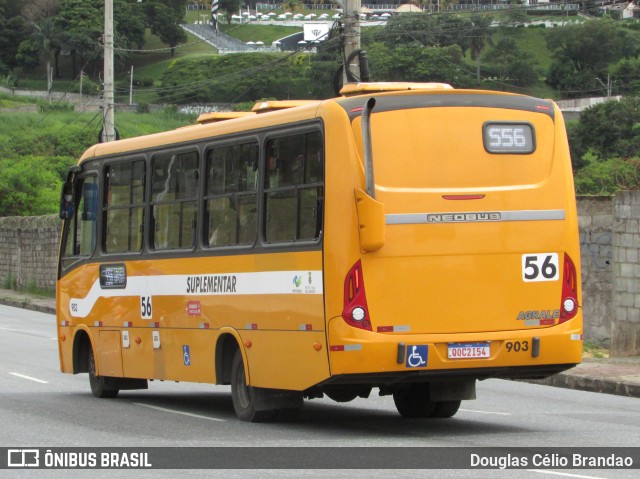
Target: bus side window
[[174, 208], [123, 207], [230, 195], [294, 188], [80, 233]]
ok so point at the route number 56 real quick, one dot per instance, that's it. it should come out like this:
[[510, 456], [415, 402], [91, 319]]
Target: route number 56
[[145, 307], [540, 267]]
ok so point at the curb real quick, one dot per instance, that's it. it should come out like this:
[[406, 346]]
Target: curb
[[26, 304], [590, 384]]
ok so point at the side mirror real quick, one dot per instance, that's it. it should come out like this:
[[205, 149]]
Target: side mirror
[[371, 221], [67, 207]]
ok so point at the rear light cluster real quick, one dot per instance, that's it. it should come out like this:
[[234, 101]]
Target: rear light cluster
[[569, 300], [355, 311]]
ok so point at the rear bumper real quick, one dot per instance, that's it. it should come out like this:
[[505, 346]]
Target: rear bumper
[[397, 378], [365, 357]]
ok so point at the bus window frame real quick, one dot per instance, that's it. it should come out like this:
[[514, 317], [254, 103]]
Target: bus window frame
[[204, 197], [149, 223], [283, 131], [68, 262], [137, 156]]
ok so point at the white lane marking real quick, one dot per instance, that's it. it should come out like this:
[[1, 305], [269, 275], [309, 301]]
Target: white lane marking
[[158, 408], [487, 412], [29, 378], [565, 474]]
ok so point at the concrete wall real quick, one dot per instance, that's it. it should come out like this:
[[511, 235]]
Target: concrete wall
[[28, 251], [595, 221], [625, 331], [609, 242]]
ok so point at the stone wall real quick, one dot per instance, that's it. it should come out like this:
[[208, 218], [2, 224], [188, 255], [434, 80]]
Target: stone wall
[[625, 339], [28, 251], [595, 221]]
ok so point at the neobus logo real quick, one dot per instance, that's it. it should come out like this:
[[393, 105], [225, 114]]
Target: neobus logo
[[463, 217]]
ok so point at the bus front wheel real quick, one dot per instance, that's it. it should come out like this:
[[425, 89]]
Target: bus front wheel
[[244, 397], [100, 385]]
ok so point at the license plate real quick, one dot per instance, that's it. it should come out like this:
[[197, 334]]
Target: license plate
[[469, 351]]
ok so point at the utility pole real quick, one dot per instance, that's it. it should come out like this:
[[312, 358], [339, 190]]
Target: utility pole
[[351, 31], [108, 126], [607, 86]]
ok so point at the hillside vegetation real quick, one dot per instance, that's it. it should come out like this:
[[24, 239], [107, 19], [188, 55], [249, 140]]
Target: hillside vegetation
[[569, 60], [36, 149]]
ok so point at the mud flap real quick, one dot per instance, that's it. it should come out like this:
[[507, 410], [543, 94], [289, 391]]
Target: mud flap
[[274, 399], [452, 390]]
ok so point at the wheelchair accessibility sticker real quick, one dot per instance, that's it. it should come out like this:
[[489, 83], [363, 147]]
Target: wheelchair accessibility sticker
[[417, 356], [186, 355]]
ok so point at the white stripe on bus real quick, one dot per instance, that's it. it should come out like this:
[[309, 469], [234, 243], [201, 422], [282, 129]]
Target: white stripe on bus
[[255, 283]]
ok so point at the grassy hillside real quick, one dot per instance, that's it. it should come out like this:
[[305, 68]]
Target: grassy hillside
[[36, 149]]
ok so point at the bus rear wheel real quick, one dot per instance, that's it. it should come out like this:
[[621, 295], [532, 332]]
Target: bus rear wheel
[[100, 385], [413, 401], [445, 409], [244, 397]]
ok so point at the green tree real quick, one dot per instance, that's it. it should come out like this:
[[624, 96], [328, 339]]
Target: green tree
[[13, 31], [409, 30], [82, 21], [237, 78], [292, 6], [164, 18], [607, 130], [480, 35], [425, 64], [230, 7], [627, 76], [581, 53], [511, 64], [428, 30]]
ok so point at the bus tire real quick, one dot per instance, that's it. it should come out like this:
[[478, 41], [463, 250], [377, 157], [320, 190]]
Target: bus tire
[[100, 385], [445, 409], [245, 397], [413, 401]]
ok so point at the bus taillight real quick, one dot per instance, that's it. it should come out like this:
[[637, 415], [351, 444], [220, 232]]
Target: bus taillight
[[355, 311], [569, 301]]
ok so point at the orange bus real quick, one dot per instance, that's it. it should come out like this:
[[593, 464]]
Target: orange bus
[[409, 238]]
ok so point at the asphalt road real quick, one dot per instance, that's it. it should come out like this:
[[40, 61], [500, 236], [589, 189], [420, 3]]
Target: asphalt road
[[41, 407]]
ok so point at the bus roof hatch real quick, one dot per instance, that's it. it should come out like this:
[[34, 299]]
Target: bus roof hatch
[[222, 116], [273, 105], [352, 89]]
